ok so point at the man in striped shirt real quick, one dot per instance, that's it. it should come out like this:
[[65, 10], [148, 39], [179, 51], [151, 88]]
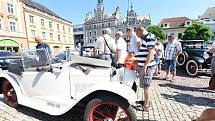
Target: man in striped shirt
[[146, 62]]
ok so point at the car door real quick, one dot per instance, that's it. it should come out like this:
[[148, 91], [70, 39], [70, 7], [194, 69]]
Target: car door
[[44, 81]]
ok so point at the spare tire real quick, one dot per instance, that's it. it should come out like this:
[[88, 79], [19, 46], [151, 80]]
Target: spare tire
[[182, 58]]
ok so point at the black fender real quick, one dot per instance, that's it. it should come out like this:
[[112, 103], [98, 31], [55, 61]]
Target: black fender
[[198, 60]]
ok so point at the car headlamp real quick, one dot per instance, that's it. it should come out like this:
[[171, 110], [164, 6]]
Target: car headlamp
[[205, 55]]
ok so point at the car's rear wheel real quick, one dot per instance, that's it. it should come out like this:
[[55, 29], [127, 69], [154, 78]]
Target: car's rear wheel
[[10, 94], [182, 58], [109, 109], [192, 68], [212, 83]]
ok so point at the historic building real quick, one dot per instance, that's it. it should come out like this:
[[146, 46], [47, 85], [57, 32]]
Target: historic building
[[12, 30], [208, 18], [176, 26], [96, 21], [40, 21], [78, 32]]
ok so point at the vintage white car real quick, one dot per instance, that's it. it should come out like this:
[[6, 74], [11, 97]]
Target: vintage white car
[[54, 86]]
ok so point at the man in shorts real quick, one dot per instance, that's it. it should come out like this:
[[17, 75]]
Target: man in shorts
[[172, 51], [146, 62]]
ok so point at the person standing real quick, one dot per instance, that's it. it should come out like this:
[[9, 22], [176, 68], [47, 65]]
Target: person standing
[[212, 50], [106, 46], [172, 51], [134, 41], [121, 52], [146, 62], [43, 50], [159, 52]]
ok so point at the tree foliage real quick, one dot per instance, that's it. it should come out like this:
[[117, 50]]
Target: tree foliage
[[197, 31], [157, 31]]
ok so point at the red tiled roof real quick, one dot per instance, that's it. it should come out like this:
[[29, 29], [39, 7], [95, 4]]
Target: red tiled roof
[[175, 22]]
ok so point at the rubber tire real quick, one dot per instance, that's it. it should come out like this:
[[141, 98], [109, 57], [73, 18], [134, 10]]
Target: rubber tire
[[185, 57], [123, 104], [7, 102], [187, 70], [212, 83]]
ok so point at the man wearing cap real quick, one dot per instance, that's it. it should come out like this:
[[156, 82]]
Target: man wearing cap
[[172, 51]]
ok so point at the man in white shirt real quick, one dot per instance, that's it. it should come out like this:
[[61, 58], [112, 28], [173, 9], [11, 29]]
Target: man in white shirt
[[134, 41], [106, 45], [121, 52], [212, 50]]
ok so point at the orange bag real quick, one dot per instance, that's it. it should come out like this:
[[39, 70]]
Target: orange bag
[[130, 62]]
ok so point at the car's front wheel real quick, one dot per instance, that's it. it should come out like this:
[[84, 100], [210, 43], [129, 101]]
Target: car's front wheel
[[192, 68], [10, 94], [109, 108]]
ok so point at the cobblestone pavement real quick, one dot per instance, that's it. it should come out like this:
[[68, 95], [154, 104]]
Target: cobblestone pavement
[[179, 101]]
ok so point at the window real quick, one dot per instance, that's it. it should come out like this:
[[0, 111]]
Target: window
[[90, 33], [50, 24], [180, 36], [0, 25], [108, 24], [43, 35], [58, 37], [94, 26], [188, 23], [10, 8], [103, 25], [31, 19], [58, 26], [33, 33], [51, 36], [165, 25], [69, 30], [64, 38], [12, 26], [63, 28], [42, 22], [95, 33]]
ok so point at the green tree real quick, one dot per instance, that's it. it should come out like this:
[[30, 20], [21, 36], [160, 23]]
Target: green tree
[[197, 31], [157, 31]]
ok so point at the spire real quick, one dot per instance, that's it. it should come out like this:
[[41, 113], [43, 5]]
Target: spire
[[100, 1]]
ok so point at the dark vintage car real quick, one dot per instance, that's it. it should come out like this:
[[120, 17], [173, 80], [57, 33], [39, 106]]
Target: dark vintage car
[[195, 57], [6, 58]]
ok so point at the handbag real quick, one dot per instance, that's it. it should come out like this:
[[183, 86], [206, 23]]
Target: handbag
[[112, 55]]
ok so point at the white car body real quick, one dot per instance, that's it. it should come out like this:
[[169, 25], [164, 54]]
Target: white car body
[[58, 90]]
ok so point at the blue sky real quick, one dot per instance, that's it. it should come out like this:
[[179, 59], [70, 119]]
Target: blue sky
[[76, 10]]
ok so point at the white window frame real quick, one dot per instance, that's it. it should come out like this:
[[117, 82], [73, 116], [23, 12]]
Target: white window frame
[[1, 24], [44, 35], [10, 8], [50, 25], [31, 19], [58, 37], [12, 26], [64, 38], [51, 36], [42, 22], [33, 33], [58, 27], [63, 28]]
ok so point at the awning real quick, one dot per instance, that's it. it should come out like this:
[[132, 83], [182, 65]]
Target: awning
[[8, 43]]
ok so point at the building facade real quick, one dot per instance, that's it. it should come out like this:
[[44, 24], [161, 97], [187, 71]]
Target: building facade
[[78, 32], [96, 21], [208, 18], [55, 31], [175, 26], [12, 30]]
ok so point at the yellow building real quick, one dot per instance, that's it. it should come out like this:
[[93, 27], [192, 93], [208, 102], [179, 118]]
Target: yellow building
[[12, 27], [40, 21]]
